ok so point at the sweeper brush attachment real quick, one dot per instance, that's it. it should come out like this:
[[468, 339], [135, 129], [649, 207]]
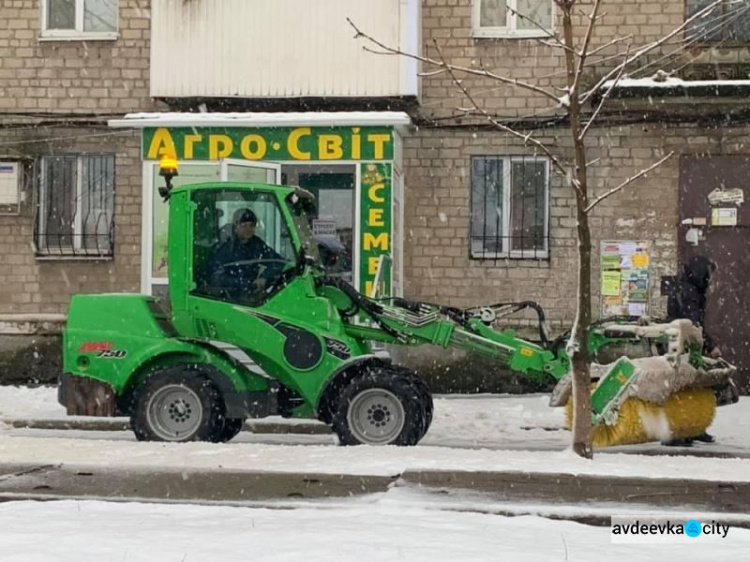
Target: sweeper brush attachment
[[686, 414]]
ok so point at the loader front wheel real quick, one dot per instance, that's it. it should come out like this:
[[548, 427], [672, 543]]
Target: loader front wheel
[[232, 427], [379, 408], [425, 396], [427, 404], [178, 404]]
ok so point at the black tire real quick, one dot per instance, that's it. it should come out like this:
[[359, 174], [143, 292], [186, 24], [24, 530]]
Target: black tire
[[427, 404], [232, 427], [379, 407], [425, 397], [178, 404]]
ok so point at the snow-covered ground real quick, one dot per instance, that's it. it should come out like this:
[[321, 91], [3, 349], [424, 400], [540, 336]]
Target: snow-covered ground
[[401, 524], [484, 432], [478, 420], [469, 433]]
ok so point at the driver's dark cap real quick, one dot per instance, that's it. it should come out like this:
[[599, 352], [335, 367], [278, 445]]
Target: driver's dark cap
[[245, 215]]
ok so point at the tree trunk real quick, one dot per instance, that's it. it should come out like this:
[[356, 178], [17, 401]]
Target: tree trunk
[[580, 357]]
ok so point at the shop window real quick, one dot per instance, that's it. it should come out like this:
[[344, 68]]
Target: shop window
[[76, 205], [509, 207], [332, 218], [727, 22], [79, 19], [512, 18]]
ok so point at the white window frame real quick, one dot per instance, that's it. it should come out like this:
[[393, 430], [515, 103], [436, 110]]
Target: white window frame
[[77, 34], [480, 253], [77, 251], [510, 31]]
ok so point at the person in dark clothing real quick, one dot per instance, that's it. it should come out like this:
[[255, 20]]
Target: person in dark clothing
[[688, 300], [237, 264]]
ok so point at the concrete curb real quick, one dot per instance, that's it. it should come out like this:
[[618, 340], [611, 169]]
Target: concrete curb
[[534, 492], [569, 489], [122, 424], [63, 481]]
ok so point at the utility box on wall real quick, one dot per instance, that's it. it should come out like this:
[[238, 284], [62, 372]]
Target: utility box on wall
[[10, 187]]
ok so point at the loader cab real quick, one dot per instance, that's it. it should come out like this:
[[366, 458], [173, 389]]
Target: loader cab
[[247, 239]]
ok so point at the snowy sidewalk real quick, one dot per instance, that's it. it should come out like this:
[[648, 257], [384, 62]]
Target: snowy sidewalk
[[469, 433], [463, 421], [512, 448]]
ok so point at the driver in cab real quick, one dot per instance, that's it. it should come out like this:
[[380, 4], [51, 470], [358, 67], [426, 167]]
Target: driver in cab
[[237, 262]]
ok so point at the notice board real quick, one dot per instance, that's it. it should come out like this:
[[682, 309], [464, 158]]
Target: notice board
[[625, 277]]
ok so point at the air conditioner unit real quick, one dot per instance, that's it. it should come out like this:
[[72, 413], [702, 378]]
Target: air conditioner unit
[[10, 186]]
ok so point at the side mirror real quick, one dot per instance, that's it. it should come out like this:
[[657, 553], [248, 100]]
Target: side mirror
[[305, 260]]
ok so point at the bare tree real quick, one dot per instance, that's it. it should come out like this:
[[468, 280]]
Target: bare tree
[[575, 101]]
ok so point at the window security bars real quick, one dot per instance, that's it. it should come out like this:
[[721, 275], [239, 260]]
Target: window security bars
[[509, 207], [75, 213]]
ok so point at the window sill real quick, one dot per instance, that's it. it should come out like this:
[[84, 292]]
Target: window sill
[[80, 257], [538, 255], [504, 33], [48, 36]]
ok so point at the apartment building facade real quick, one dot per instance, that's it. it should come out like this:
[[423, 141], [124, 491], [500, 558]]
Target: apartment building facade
[[489, 220], [94, 91]]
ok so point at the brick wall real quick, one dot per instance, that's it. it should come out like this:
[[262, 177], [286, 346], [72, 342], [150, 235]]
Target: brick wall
[[73, 76], [449, 23], [437, 265], [55, 97], [437, 160]]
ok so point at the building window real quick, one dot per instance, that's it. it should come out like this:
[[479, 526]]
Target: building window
[[512, 18], [79, 19], [727, 22], [76, 205], [509, 207]]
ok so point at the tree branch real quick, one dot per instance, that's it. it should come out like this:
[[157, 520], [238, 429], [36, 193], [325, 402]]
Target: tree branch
[[626, 182], [443, 64], [613, 42], [551, 35], [601, 101], [585, 47], [649, 48], [528, 139]]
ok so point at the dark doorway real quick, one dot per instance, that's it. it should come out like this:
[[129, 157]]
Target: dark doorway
[[728, 306]]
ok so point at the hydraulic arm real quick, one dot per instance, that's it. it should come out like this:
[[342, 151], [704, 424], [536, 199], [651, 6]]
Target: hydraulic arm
[[403, 322]]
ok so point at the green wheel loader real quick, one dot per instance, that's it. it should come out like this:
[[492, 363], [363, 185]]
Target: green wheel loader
[[310, 337]]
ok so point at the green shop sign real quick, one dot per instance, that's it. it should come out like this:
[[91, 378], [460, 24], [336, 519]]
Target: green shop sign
[[375, 220], [269, 143]]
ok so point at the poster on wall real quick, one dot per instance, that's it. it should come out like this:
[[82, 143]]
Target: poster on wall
[[624, 278]]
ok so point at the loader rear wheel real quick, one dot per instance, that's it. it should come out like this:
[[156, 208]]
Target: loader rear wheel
[[178, 404], [379, 408]]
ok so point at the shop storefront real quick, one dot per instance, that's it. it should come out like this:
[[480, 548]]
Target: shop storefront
[[351, 162]]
